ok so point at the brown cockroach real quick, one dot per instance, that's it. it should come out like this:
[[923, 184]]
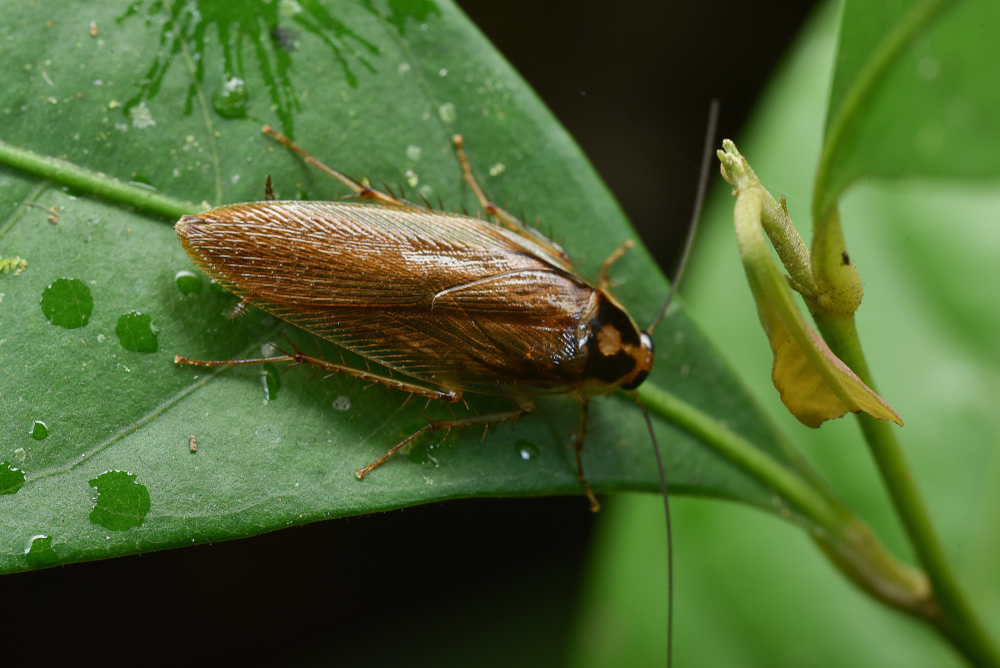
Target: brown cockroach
[[454, 303]]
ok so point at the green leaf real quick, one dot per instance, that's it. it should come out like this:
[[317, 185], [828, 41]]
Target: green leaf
[[912, 93], [372, 89], [749, 589]]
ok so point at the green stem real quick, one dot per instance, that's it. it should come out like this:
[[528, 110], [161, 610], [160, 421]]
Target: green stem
[[956, 621], [95, 183], [843, 536], [741, 452]]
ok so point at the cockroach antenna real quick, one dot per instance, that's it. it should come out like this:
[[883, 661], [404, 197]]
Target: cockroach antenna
[[699, 201]]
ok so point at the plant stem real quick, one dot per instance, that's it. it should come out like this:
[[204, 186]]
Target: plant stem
[[94, 183], [956, 620], [842, 535]]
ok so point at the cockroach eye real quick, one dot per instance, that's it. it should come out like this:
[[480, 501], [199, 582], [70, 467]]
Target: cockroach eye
[[647, 344]]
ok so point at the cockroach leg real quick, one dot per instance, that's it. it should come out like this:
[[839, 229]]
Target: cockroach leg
[[614, 257], [448, 395], [526, 407], [581, 434], [268, 190], [500, 214], [484, 201], [361, 190]]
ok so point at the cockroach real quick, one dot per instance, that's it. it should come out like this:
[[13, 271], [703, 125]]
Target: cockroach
[[454, 303]]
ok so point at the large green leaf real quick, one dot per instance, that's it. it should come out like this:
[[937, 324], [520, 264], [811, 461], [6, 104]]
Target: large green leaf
[[173, 96], [750, 590], [910, 93]]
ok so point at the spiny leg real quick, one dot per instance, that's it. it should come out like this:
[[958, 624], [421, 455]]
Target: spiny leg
[[614, 257], [581, 434], [492, 209], [526, 406], [299, 357], [268, 190], [363, 191]]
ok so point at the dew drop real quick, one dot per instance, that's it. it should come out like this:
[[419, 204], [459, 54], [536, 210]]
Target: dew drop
[[39, 552], [11, 478], [342, 403], [122, 503], [230, 100], [426, 453], [67, 303], [137, 333], [526, 450], [141, 116], [447, 112], [142, 181], [271, 380], [188, 282], [39, 430]]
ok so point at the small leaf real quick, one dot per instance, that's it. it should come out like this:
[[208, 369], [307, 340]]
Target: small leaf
[[912, 94], [805, 391]]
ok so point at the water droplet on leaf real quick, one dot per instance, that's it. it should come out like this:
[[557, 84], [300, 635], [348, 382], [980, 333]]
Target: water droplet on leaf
[[67, 303], [137, 333], [39, 552], [188, 283], [122, 503], [11, 479], [39, 430], [526, 450], [426, 453], [271, 380], [230, 100]]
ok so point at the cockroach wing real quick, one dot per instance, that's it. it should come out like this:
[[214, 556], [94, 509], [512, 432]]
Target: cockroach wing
[[442, 297]]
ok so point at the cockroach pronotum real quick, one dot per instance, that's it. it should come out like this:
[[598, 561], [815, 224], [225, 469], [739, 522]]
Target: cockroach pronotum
[[452, 302]]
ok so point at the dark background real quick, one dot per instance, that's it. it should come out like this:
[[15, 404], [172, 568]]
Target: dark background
[[476, 582]]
